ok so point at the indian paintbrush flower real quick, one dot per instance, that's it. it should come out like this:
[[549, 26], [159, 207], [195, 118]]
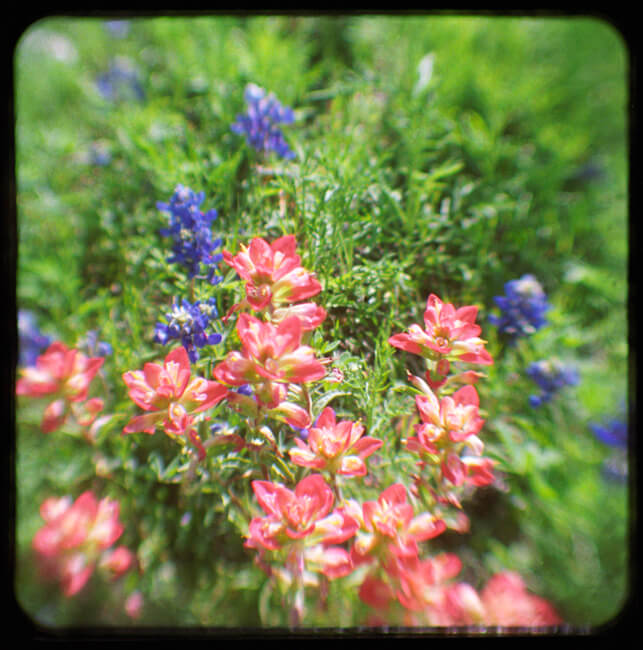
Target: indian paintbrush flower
[[275, 280], [449, 334], [169, 394], [336, 447], [77, 537], [272, 352], [64, 375]]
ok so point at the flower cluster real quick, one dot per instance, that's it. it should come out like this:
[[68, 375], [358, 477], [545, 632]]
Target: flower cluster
[[551, 375], [523, 307], [171, 397], [190, 230], [30, 340], [275, 281], [93, 346], [63, 375], [120, 82], [335, 447], [188, 323], [614, 434], [449, 334], [259, 123], [77, 537], [273, 360], [446, 438]]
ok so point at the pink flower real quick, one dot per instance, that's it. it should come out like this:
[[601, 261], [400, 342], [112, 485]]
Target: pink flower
[[134, 605], [448, 333], [76, 536], [467, 469], [507, 602], [269, 352], [169, 394], [63, 374], [117, 561], [294, 515], [453, 419], [390, 523], [338, 447], [273, 273]]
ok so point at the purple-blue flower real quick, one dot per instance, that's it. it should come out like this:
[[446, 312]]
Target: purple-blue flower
[[31, 342], [259, 123], [190, 230], [550, 376], [188, 323], [522, 307], [93, 346], [120, 82], [117, 28], [612, 433]]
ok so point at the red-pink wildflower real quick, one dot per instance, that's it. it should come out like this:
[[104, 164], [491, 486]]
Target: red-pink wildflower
[[273, 273], [134, 605], [508, 603], [63, 374], [272, 352], [453, 419], [448, 333], [295, 515], [169, 394], [337, 447], [76, 536], [389, 525]]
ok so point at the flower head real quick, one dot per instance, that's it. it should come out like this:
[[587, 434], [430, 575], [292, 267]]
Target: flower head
[[259, 123], [31, 341], [551, 375], [60, 373], [76, 536], [190, 230], [275, 278], [522, 307], [507, 602], [338, 447], [389, 526], [120, 82], [269, 352], [448, 333], [187, 323], [295, 515], [169, 395]]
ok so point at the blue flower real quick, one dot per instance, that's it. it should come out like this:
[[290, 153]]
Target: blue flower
[[259, 123], [187, 323], [31, 342], [612, 433], [191, 233], [94, 347], [551, 376], [523, 307], [117, 28], [120, 82]]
